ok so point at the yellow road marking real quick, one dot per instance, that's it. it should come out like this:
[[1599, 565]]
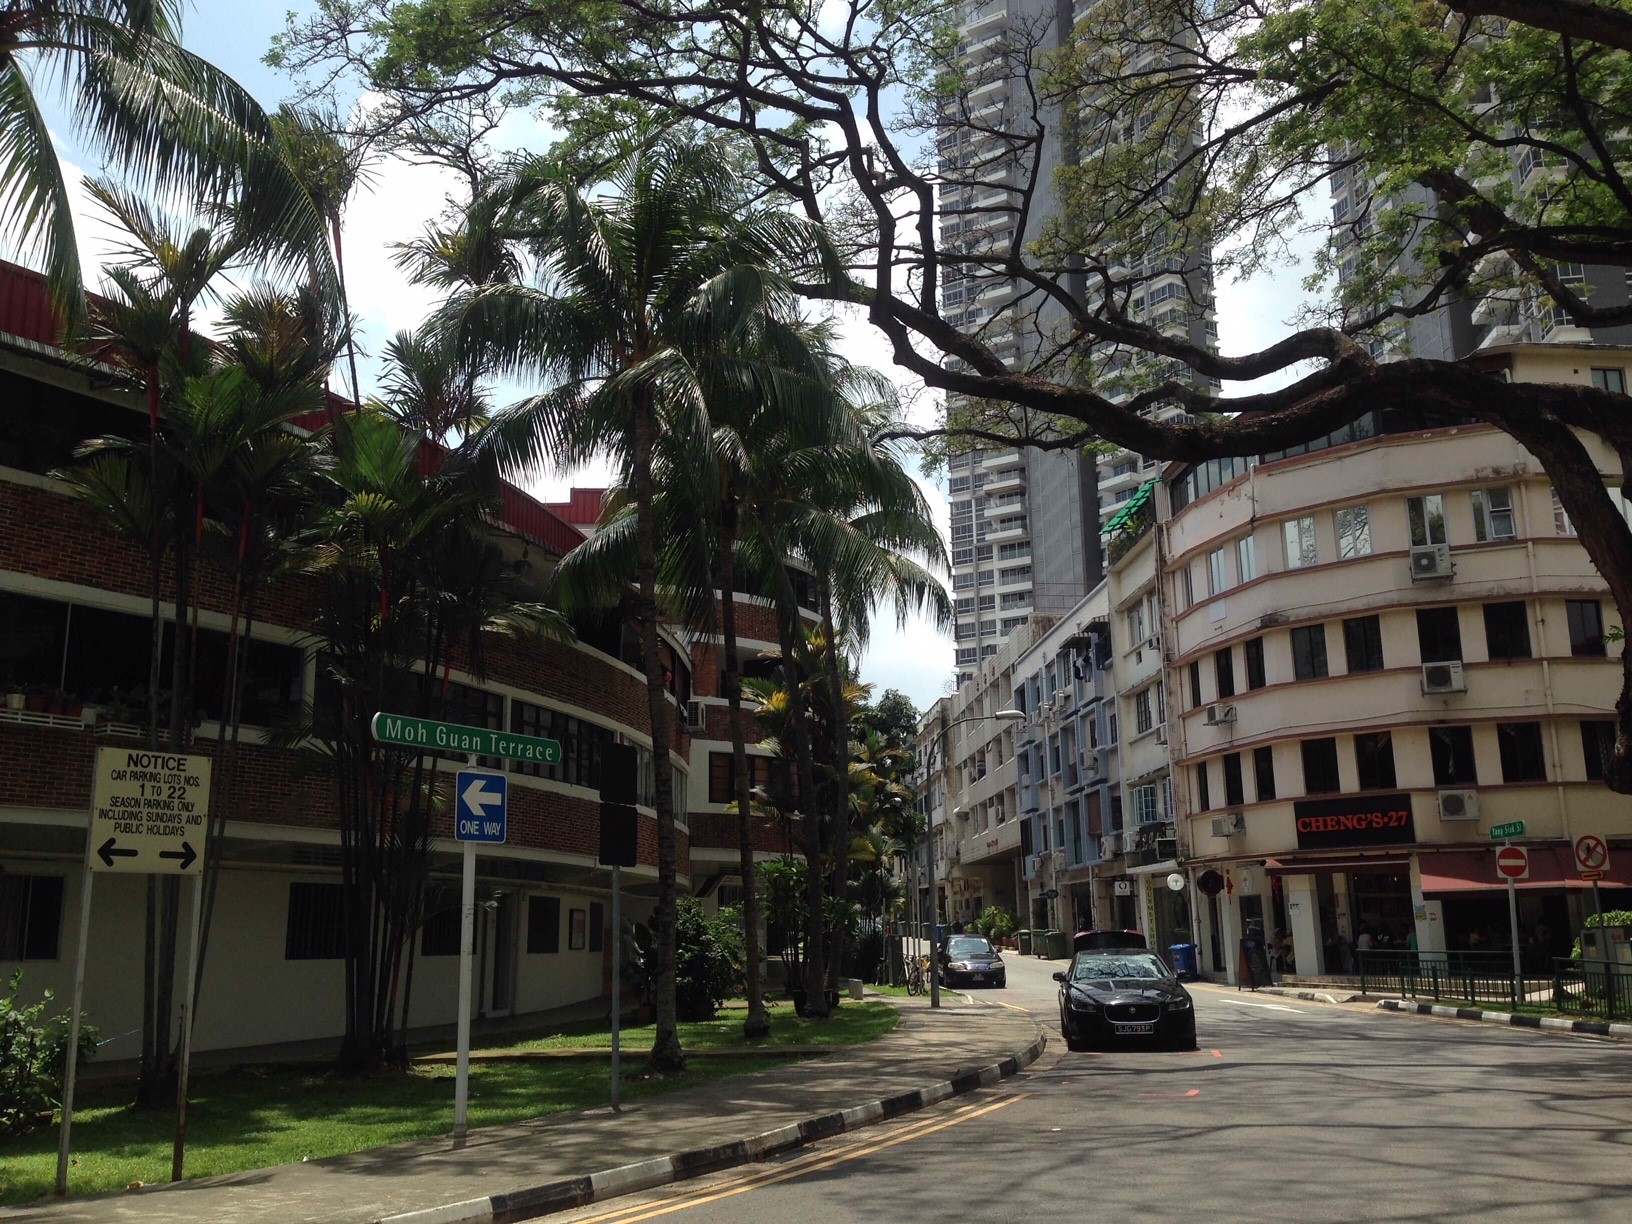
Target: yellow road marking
[[633, 1215], [1012, 1007]]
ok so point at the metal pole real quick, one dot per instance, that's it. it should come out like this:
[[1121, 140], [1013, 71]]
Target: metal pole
[[934, 886], [178, 1151], [467, 941], [73, 1022], [1513, 932], [617, 986]]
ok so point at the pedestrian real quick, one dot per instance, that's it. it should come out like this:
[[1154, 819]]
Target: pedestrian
[[1366, 941]]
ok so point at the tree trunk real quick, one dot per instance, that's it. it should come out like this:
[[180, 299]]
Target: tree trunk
[[667, 1055], [815, 952], [757, 1024], [840, 748]]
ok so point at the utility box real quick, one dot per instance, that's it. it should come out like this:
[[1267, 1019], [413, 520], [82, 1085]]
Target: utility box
[[1613, 944]]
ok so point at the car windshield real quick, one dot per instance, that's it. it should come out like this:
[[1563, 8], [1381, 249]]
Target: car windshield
[[1101, 966], [965, 946]]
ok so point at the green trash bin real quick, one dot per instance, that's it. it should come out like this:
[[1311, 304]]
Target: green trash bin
[[1024, 938], [1051, 945]]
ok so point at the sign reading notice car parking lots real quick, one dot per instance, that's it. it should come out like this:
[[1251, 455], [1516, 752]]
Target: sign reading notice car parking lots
[[149, 811]]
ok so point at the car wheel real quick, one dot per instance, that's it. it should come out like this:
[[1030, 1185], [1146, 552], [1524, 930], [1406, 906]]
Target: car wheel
[[1002, 982]]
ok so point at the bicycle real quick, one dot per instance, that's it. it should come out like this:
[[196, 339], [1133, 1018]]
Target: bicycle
[[915, 975]]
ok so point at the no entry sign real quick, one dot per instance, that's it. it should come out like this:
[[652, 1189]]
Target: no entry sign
[[1513, 863]]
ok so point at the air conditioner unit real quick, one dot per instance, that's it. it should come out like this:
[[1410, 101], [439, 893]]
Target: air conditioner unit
[[1154, 642], [1090, 764], [1431, 561], [1231, 824], [696, 715], [1458, 805], [1220, 715], [1443, 677], [1161, 734], [1062, 698], [1110, 845]]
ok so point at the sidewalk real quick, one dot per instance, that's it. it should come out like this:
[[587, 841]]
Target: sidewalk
[[926, 1049]]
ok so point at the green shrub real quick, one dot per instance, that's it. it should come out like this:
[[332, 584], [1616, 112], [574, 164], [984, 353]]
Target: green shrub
[[996, 923], [708, 956], [32, 1060]]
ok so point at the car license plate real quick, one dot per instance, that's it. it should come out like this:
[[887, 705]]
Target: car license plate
[[977, 977], [1131, 1029]]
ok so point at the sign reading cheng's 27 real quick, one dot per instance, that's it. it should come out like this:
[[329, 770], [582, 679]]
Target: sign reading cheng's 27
[[1354, 820]]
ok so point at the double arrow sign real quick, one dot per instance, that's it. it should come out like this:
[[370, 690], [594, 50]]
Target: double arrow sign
[[109, 850]]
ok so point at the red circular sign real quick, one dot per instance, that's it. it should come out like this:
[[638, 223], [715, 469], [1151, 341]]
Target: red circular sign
[[1590, 852], [1512, 862]]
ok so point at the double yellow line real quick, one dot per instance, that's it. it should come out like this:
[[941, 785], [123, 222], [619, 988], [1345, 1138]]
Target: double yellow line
[[803, 1166]]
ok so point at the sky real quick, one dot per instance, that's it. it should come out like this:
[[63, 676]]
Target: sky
[[234, 34]]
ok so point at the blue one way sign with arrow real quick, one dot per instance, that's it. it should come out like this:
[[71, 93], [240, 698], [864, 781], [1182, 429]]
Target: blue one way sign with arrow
[[481, 806]]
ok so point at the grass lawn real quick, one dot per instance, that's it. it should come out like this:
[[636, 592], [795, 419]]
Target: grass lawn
[[851, 1024], [257, 1117]]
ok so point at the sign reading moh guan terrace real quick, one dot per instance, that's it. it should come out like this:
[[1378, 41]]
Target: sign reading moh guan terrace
[[1354, 820], [452, 737]]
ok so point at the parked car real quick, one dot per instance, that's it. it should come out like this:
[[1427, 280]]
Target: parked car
[[970, 958], [1124, 997]]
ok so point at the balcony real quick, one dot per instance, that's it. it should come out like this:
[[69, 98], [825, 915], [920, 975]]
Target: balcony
[[1007, 535], [1005, 481], [1003, 505]]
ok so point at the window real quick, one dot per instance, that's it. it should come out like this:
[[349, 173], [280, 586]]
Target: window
[[1452, 751], [1234, 792], [316, 928], [1142, 719], [1309, 652], [1263, 770], [1439, 635], [1187, 586], [1215, 572], [1353, 532], [722, 775], [1507, 631], [1224, 672], [962, 582], [543, 924], [1586, 626], [1253, 651], [1493, 514], [1300, 542], [1008, 552], [1611, 379], [1597, 743], [1136, 623], [1520, 745], [1425, 516], [1246, 559], [439, 935], [30, 917], [1204, 798], [1363, 643], [1374, 760], [965, 606], [1320, 767], [1144, 805], [1561, 518], [1195, 684]]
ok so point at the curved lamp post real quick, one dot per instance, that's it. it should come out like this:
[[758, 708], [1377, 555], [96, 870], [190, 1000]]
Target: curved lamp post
[[934, 881]]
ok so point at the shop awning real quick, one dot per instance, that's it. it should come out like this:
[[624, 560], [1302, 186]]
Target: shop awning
[[1457, 871], [1130, 507], [1325, 864]]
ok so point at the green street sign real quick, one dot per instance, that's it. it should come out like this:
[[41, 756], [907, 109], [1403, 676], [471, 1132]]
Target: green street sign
[[452, 737], [1503, 832]]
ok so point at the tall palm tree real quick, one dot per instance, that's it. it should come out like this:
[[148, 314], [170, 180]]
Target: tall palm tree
[[640, 284], [180, 129]]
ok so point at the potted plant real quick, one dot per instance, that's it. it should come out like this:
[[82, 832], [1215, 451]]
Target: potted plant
[[36, 696], [15, 698]]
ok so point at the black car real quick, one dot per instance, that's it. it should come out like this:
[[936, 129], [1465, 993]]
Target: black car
[[969, 958], [1124, 996]]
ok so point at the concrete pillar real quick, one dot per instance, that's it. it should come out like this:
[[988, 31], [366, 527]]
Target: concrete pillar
[[1429, 915], [1229, 919], [1303, 917]]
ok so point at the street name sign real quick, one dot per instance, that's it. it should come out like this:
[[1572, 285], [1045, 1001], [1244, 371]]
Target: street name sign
[[149, 811], [1591, 854], [481, 806], [1503, 832], [1513, 863], [453, 737]]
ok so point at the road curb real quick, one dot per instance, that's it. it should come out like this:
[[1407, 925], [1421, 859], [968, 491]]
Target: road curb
[[1557, 1024], [567, 1193], [1311, 996]]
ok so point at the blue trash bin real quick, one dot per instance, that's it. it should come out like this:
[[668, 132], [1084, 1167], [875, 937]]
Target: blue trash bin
[[1185, 962]]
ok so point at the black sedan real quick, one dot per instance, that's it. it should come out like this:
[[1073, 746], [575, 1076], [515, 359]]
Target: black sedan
[[1117, 997], [969, 958]]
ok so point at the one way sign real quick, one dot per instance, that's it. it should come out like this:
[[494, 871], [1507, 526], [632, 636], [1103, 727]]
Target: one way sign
[[481, 805]]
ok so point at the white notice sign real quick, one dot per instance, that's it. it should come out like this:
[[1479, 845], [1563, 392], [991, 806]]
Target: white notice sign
[[149, 811]]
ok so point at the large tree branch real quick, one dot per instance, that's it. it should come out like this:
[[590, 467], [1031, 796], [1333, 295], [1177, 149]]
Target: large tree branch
[[1599, 23]]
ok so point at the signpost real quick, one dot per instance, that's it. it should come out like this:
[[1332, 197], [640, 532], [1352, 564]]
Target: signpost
[[1507, 831], [1591, 860], [1513, 864], [481, 814], [150, 815], [455, 737]]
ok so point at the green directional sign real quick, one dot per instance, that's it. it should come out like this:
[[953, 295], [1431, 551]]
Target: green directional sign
[[452, 737], [1503, 832]]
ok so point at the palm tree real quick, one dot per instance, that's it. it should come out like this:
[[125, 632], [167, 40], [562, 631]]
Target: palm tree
[[641, 285], [180, 128]]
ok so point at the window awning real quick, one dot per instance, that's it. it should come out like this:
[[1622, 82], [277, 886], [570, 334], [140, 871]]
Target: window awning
[[1130, 507], [1459, 871], [1318, 864]]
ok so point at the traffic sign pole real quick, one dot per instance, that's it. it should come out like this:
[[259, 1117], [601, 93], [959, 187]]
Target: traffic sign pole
[[1513, 934], [73, 1023], [467, 942], [178, 1151], [617, 985]]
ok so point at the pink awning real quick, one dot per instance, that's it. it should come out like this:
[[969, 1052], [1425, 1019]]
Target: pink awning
[[1551, 866]]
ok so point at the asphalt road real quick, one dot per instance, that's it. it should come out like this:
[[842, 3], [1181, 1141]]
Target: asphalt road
[[1289, 1111]]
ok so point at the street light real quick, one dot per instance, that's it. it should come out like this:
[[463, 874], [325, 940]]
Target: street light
[[934, 883]]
